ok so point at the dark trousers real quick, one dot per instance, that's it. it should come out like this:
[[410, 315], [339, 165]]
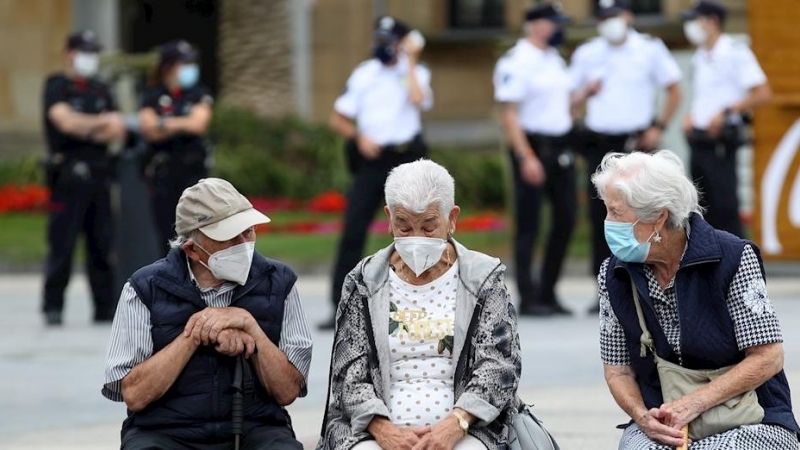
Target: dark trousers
[[363, 200], [79, 206], [559, 188], [713, 166], [166, 188], [262, 438], [594, 148]]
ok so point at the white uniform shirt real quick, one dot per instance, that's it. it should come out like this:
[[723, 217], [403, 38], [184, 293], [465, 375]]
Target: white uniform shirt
[[630, 74], [378, 99], [722, 77], [421, 330], [538, 81]]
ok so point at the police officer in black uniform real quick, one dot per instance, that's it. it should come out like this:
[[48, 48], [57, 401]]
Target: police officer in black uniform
[[174, 119], [80, 119]]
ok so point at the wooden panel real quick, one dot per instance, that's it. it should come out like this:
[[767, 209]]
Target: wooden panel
[[776, 42]]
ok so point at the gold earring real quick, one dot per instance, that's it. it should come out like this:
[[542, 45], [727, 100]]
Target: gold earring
[[657, 237]]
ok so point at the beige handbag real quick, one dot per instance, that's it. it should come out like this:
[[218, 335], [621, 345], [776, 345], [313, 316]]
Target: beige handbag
[[678, 381]]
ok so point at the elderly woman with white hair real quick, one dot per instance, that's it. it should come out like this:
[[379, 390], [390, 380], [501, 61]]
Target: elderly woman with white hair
[[680, 300], [426, 352]]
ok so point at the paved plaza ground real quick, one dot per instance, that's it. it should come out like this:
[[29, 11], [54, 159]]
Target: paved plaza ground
[[50, 394]]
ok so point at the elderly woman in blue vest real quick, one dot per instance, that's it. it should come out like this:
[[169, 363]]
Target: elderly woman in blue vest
[[426, 352], [704, 301], [188, 324]]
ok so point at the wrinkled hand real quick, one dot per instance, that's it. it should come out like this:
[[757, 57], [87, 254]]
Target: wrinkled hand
[[367, 147], [654, 424], [443, 436], [715, 126], [682, 411], [649, 139], [532, 171], [206, 325], [233, 342], [401, 438]]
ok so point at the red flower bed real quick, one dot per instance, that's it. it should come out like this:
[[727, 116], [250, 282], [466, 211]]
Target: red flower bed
[[31, 198]]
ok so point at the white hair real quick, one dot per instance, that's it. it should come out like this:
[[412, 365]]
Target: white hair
[[417, 185], [650, 183], [181, 239]]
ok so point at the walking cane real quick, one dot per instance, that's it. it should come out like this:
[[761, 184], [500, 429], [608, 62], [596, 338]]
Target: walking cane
[[685, 445], [242, 388], [237, 403]]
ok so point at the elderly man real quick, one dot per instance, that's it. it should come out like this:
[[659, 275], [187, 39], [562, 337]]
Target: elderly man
[[192, 325]]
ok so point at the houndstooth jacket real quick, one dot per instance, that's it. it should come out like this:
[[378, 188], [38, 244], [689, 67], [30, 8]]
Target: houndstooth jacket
[[486, 345]]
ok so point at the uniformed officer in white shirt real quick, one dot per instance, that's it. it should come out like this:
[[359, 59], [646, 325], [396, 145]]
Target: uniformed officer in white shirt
[[618, 75], [533, 88], [379, 114], [728, 84]]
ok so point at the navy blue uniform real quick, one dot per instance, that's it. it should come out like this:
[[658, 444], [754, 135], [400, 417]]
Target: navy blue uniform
[[79, 178], [178, 162]]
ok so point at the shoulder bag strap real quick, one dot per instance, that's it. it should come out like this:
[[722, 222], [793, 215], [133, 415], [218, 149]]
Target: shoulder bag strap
[[646, 341]]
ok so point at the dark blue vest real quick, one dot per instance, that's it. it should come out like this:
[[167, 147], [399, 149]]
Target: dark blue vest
[[708, 340], [198, 405]]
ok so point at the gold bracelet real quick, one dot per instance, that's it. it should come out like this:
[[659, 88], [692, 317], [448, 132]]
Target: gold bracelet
[[462, 421]]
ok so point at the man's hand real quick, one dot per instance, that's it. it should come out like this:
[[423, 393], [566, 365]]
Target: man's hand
[[443, 436], [391, 437], [715, 126], [649, 139], [206, 325], [653, 424], [368, 148], [413, 51], [233, 342], [532, 171]]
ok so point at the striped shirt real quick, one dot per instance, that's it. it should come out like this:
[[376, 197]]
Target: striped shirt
[[131, 342]]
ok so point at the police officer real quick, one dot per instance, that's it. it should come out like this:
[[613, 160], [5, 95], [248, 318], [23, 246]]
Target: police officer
[[379, 116], [533, 88], [174, 119], [617, 75], [728, 84], [81, 119]]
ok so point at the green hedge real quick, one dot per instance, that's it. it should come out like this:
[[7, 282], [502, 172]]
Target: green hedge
[[294, 159]]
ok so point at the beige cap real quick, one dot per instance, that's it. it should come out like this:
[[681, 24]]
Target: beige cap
[[217, 209]]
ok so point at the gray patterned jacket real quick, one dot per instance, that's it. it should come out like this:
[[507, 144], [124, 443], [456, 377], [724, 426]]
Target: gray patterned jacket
[[488, 364]]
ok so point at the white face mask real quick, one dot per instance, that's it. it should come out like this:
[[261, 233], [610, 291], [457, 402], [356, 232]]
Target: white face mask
[[86, 64], [695, 33], [232, 263], [613, 29], [419, 253]]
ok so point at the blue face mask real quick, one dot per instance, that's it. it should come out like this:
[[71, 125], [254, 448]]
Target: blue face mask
[[188, 75], [623, 244], [384, 53]]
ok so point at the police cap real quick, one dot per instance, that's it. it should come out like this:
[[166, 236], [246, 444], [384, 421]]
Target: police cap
[[549, 11], [706, 8], [611, 8], [388, 28], [177, 51], [84, 41]]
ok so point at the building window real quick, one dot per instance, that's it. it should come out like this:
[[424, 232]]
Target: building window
[[477, 13], [640, 6]]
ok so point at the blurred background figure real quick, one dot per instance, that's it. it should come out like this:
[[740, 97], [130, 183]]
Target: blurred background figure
[[81, 119], [533, 88], [174, 119], [618, 74], [379, 116], [728, 84]]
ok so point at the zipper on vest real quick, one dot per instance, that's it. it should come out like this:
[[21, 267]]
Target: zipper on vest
[[677, 301]]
